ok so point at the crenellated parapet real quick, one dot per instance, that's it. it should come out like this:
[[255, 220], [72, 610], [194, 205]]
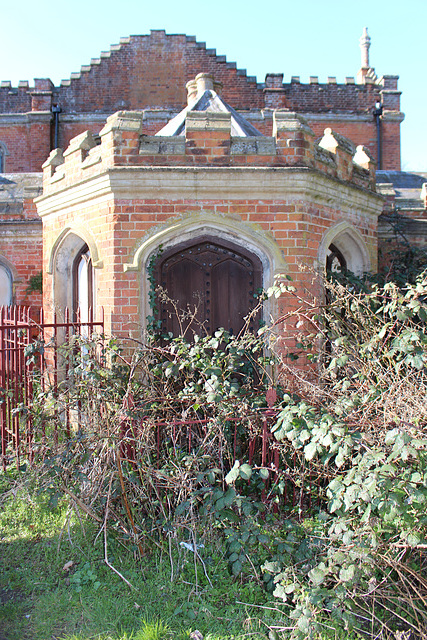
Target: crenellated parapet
[[207, 140]]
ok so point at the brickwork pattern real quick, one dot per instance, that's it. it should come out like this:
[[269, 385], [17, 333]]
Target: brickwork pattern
[[150, 72], [297, 222]]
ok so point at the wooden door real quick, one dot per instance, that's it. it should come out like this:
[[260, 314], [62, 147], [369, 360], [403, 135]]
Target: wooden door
[[213, 285]]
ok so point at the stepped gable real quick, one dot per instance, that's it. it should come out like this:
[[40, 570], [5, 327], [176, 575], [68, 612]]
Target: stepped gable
[[202, 97], [150, 70]]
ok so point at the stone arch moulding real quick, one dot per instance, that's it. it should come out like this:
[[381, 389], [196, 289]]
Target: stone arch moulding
[[61, 259], [350, 243], [85, 236], [230, 230], [11, 276], [4, 262]]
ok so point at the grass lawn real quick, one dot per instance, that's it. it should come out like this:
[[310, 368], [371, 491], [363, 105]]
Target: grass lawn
[[171, 595]]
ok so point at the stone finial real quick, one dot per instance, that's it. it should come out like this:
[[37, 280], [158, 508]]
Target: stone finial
[[342, 149], [191, 87], [332, 141], [363, 158], [202, 82], [365, 43]]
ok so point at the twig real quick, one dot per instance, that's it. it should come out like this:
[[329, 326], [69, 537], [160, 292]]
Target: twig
[[104, 526], [79, 503], [128, 511]]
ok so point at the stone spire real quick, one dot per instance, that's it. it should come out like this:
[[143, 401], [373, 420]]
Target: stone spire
[[366, 73], [365, 43]]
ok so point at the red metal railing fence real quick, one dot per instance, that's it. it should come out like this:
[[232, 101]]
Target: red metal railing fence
[[29, 357]]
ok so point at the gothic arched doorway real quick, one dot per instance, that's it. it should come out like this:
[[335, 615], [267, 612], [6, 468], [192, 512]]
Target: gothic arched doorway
[[217, 279]]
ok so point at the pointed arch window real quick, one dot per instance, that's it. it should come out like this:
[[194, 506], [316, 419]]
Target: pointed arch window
[[82, 285], [6, 286], [3, 153], [335, 261]]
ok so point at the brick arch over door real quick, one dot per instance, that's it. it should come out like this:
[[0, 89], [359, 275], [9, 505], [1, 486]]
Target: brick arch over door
[[219, 279]]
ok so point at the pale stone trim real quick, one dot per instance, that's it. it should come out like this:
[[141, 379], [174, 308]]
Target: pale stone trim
[[214, 183], [86, 238], [194, 226], [351, 244], [9, 266]]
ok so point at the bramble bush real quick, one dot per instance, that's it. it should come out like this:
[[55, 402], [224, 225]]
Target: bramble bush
[[348, 550]]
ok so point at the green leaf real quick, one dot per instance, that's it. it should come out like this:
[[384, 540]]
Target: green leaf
[[263, 538], [347, 574], [318, 574], [310, 450], [229, 497], [220, 504], [413, 539], [304, 624], [236, 568], [245, 471], [233, 474]]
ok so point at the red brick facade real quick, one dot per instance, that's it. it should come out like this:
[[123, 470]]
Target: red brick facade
[[21, 247], [296, 194], [285, 201], [150, 72]]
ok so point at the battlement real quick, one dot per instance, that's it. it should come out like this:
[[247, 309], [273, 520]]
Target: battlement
[[207, 141]]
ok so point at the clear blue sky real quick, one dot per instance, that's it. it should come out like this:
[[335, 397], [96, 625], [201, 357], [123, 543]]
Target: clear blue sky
[[44, 38]]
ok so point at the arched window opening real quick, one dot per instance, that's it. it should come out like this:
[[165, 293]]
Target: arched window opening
[[6, 286], [3, 154], [82, 285], [212, 285], [335, 261]]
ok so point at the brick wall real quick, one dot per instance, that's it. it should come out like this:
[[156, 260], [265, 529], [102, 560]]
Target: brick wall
[[21, 243], [151, 71], [128, 190]]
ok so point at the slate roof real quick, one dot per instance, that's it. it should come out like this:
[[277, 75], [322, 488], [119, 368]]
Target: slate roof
[[210, 101], [405, 186]]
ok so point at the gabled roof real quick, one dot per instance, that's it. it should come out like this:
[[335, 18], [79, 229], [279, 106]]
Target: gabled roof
[[209, 100]]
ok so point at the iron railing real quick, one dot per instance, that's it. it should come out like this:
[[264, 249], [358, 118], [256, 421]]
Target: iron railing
[[29, 356]]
